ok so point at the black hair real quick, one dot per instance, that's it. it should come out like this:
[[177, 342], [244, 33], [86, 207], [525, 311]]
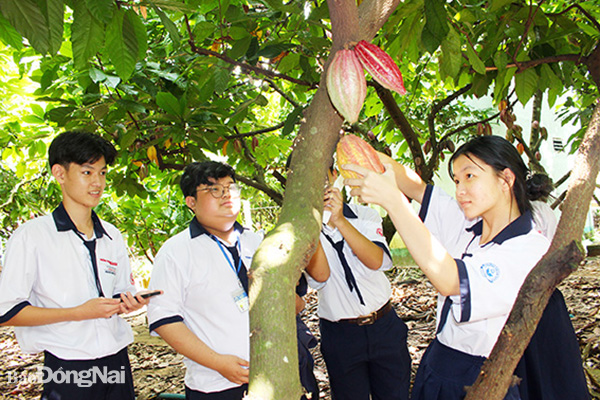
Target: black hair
[[499, 154], [80, 147], [539, 187], [200, 173]]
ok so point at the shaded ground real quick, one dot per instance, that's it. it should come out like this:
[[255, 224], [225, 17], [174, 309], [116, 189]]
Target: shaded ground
[[157, 369]]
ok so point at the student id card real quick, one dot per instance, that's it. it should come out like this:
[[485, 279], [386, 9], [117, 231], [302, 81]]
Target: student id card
[[241, 299]]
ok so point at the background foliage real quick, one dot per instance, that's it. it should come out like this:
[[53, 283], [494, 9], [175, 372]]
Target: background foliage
[[169, 82]]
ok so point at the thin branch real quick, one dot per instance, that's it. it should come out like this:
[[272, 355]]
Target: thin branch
[[282, 93], [245, 66], [435, 109], [522, 66], [527, 26], [257, 132], [583, 11]]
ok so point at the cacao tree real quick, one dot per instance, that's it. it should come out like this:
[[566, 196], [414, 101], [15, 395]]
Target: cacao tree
[[171, 81]]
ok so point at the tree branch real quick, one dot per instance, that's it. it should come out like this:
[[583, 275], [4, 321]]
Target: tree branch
[[257, 132]]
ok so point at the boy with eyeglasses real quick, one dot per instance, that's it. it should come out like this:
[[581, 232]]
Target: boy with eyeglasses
[[203, 313], [66, 277]]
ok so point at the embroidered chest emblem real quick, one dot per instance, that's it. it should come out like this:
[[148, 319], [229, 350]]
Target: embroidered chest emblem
[[490, 271]]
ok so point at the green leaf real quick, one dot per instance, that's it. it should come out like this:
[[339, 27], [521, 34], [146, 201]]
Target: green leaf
[[221, 80], [168, 102], [475, 61], [128, 138], [273, 50], [240, 47], [86, 37], [9, 35], [451, 57], [526, 85], [289, 62], [237, 32], [53, 11], [102, 10], [27, 18], [498, 4], [169, 26], [290, 121], [436, 26], [138, 29], [131, 105], [60, 115], [121, 45]]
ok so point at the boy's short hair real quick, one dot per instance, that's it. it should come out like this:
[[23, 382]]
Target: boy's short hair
[[199, 173], [80, 147]]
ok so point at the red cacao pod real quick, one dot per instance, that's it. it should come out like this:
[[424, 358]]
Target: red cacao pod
[[520, 148], [346, 85], [380, 66], [353, 150]]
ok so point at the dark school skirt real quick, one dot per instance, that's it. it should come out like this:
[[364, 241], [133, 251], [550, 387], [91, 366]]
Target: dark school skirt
[[444, 372], [551, 367]]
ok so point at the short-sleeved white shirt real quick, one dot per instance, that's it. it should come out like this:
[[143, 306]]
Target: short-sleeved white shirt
[[47, 265], [490, 274], [336, 300], [199, 286]]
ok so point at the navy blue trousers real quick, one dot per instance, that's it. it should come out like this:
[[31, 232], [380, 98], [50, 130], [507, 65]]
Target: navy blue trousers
[[74, 379], [444, 372], [236, 393], [370, 360], [306, 341], [551, 367]]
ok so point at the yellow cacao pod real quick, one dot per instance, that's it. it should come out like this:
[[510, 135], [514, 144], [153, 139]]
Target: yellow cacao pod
[[346, 84], [353, 150]]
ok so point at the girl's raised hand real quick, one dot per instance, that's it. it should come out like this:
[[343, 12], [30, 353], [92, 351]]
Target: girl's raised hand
[[380, 189]]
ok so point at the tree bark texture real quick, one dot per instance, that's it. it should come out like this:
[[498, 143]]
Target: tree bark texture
[[287, 249], [560, 260]]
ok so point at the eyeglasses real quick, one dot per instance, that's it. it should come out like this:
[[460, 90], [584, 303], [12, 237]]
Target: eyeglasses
[[217, 190]]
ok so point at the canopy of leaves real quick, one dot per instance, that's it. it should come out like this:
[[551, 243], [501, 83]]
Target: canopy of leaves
[[172, 81]]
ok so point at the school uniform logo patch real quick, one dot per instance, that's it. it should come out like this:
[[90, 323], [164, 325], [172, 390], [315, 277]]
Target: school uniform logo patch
[[490, 271], [380, 231]]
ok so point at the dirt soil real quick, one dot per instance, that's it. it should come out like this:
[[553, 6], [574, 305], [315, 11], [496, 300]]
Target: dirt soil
[[158, 369]]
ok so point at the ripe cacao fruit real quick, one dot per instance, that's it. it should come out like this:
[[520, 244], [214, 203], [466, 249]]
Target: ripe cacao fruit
[[353, 150], [538, 155], [450, 145], [520, 148], [254, 143], [480, 129], [346, 85], [380, 66]]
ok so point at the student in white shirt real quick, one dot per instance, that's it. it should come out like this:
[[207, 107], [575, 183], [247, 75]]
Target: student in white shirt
[[66, 277], [203, 313], [476, 250], [363, 341]]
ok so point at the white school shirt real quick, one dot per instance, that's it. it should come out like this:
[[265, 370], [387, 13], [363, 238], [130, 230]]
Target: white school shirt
[[47, 265], [199, 285], [544, 218], [336, 300], [490, 275]]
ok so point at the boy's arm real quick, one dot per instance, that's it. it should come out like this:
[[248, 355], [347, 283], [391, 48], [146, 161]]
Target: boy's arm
[[318, 266], [95, 308], [367, 252], [178, 336]]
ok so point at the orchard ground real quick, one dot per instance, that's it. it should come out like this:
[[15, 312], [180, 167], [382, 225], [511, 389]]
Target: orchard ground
[[158, 369]]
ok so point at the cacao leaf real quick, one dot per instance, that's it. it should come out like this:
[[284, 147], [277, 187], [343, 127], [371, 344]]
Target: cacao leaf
[[53, 11], [169, 26], [87, 34], [451, 57], [121, 45], [102, 10], [526, 85], [436, 27], [9, 35], [475, 61], [27, 18]]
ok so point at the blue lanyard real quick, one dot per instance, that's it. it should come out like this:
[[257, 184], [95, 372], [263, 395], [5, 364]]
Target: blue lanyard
[[230, 262]]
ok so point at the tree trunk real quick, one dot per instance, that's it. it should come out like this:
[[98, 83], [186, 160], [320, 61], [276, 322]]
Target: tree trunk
[[561, 259], [287, 248]]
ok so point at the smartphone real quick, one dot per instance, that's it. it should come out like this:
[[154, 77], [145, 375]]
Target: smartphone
[[149, 294]]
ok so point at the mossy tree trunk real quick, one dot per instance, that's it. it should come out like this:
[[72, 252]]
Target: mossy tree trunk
[[287, 248]]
